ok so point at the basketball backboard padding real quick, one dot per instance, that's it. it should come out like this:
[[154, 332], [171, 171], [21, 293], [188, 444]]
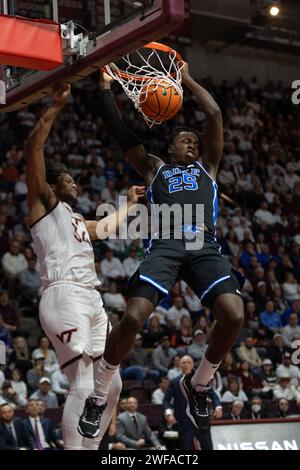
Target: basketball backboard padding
[[165, 17], [32, 44]]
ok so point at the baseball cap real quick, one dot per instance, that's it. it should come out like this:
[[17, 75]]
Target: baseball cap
[[198, 332], [45, 379], [164, 338], [267, 362], [261, 283], [286, 354], [39, 356], [168, 412]]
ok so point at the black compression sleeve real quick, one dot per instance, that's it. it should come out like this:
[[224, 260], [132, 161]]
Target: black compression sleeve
[[118, 129]]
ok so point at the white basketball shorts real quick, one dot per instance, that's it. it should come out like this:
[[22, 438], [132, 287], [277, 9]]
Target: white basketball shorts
[[75, 321]]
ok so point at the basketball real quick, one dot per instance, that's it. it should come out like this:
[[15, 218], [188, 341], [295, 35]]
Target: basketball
[[160, 102]]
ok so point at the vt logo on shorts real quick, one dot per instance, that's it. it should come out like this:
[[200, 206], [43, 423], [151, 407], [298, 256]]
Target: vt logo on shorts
[[68, 334]]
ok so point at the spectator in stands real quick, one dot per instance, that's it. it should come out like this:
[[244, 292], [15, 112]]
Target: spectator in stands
[[198, 347], [35, 374], [13, 434], [284, 389], [13, 261], [113, 299], [291, 288], [267, 378], [291, 331], [9, 395], [50, 359], [20, 357], [137, 363], [10, 314], [60, 385], [250, 384], [133, 429], [263, 214], [153, 334], [41, 430], [5, 335], [19, 385], [183, 337], [282, 408], [287, 368], [168, 430], [111, 267], [247, 352], [131, 263], [162, 356], [237, 411], [176, 312], [270, 319], [234, 392], [193, 302], [159, 394], [257, 409], [30, 280], [45, 393], [228, 369], [276, 350], [294, 308], [174, 368]]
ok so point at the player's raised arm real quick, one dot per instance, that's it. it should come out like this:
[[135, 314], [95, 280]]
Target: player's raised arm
[[40, 197], [145, 164], [111, 223], [213, 132]]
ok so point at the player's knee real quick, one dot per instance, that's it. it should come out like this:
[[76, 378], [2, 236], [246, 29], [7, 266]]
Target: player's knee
[[233, 318], [133, 320]]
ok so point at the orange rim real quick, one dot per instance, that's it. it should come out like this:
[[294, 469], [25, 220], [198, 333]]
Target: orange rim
[[150, 45]]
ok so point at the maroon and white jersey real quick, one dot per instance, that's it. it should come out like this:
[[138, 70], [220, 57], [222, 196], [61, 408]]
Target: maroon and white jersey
[[63, 247]]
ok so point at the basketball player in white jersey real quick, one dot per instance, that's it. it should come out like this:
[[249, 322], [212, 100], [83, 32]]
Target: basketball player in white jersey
[[71, 310]]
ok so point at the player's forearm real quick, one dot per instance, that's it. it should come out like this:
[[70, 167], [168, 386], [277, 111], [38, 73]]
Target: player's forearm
[[206, 102], [113, 118], [109, 225], [42, 129], [112, 222]]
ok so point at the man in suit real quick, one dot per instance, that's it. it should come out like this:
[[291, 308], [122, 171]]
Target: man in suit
[[189, 436], [133, 429], [41, 430], [13, 435]]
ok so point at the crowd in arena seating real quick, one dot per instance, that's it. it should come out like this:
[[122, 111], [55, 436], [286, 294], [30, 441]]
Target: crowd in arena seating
[[258, 229]]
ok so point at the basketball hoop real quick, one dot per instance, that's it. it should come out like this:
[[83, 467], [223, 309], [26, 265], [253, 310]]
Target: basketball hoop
[[147, 69]]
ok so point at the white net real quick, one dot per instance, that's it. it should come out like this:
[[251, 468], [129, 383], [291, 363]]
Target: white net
[[146, 69]]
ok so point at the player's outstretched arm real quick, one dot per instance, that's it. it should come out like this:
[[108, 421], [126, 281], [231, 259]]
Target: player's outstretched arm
[[213, 132], [40, 195], [110, 224], [145, 164]]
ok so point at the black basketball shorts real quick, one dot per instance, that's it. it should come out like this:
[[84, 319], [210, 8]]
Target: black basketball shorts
[[206, 271]]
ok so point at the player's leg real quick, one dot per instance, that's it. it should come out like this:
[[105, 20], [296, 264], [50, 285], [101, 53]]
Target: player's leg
[[217, 285], [90, 424], [111, 403], [80, 376], [64, 316]]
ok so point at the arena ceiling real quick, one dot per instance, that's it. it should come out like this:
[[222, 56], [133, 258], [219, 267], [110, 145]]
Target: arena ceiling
[[229, 22]]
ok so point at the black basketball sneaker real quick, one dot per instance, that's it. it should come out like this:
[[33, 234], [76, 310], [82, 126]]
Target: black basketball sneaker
[[88, 425], [196, 409]]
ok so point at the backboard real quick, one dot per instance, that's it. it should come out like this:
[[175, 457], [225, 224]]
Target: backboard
[[108, 28]]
